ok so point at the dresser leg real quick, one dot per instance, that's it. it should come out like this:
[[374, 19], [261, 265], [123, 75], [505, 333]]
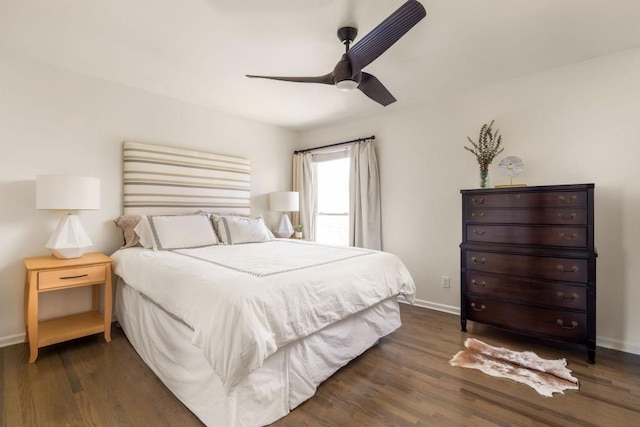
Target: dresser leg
[[591, 353], [463, 325]]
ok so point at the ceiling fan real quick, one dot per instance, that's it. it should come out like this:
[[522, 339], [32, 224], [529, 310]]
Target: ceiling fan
[[348, 74]]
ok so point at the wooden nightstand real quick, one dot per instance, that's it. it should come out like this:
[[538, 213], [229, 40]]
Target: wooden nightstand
[[46, 274]]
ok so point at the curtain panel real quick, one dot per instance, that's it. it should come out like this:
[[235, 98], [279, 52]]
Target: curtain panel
[[364, 198], [304, 182]]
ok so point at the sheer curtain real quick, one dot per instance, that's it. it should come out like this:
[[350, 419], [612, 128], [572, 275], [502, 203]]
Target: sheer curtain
[[364, 198], [304, 184]]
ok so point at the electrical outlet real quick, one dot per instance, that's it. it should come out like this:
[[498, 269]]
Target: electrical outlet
[[446, 282]]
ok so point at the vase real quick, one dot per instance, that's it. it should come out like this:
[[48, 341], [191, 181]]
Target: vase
[[483, 178]]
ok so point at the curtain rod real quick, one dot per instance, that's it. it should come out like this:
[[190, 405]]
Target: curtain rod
[[353, 141]]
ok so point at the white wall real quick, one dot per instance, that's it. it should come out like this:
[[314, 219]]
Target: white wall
[[577, 124], [56, 122]]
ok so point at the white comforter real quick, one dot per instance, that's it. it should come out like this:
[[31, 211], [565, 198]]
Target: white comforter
[[246, 301]]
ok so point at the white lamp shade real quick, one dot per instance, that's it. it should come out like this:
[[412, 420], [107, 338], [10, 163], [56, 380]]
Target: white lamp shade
[[284, 201], [67, 192]]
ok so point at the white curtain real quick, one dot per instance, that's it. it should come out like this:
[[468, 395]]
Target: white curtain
[[364, 198], [304, 183]]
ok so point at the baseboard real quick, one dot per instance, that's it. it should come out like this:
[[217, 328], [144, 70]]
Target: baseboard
[[617, 345], [12, 339], [432, 305], [600, 341]]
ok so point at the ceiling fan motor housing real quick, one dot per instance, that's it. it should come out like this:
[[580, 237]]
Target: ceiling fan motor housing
[[342, 75]]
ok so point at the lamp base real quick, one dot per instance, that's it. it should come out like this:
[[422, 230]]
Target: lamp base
[[284, 229], [69, 240]]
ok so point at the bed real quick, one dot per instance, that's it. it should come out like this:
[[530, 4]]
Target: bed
[[240, 326]]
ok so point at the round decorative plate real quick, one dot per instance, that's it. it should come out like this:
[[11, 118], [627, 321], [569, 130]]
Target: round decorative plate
[[511, 166]]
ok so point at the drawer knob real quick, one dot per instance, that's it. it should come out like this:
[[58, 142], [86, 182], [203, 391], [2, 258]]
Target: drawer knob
[[570, 297], [74, 277], [574, 324], [573, 269], [572, 215], [478, 201], [476, 260], [478, 285], [568, 236], [482, 307], [479, 232], [481, 214], [568, 200]]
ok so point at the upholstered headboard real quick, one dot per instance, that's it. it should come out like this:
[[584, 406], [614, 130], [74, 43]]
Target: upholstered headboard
[[167, 180]]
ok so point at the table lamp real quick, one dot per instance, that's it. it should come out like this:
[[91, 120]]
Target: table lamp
[[69, 193], [284, 201]]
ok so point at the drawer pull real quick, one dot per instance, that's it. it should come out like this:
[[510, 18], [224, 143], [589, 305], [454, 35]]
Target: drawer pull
[[567, 217], [476, 260], [568, 236], [479, 232], [574, 269], [574, 324], [479, 201], [481, 214], [572, 297], [478, 285], [568, 200], [482, 307], [74, 277]]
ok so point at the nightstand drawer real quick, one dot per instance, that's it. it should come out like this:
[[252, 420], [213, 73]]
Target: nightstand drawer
[[70, 277]]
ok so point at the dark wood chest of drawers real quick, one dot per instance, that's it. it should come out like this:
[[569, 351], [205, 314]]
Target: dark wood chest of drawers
[[528, 261]]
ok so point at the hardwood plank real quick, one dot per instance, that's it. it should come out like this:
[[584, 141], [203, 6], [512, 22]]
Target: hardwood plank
[[405, 380]]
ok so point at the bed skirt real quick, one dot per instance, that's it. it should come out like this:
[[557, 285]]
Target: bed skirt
[[288, 377]]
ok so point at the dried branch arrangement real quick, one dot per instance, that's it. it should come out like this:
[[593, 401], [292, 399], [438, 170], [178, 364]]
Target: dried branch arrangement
[[487, 147]]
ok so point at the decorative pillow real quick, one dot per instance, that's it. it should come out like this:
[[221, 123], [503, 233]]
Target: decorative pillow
[[238, 229], [127, 223], [145, 235], [181, 231], [216, 216]]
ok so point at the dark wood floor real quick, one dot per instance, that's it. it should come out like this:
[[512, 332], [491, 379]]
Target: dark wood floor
[[405, 380]]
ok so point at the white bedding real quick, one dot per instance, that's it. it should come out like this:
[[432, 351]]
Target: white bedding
[[287, 378], [244, 302]]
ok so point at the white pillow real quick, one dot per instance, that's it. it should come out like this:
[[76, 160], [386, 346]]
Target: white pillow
[[216, 216], [238, 229], [145, 235], [181, 231]]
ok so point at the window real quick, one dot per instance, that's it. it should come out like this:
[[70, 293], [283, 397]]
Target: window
[[332, 214]]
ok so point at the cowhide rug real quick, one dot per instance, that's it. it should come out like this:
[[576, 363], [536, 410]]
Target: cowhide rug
[[543, 375]]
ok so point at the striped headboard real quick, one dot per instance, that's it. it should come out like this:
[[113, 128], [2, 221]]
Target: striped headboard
[[167, 180]]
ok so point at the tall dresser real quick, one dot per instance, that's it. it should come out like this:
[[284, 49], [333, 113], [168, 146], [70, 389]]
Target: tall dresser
[[528, 261]]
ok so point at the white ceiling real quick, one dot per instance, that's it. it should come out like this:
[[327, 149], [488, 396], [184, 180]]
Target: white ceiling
[[199, 50]]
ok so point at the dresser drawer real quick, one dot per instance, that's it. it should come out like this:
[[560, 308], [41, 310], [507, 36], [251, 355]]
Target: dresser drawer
[[524, 199], [551, 294], [552, 323], [550, 216], [70, 277], [563, 269], [575, 237]]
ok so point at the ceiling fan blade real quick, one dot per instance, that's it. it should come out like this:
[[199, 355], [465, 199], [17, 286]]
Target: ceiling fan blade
[[327, 79], [371, 86], [382, 37]]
